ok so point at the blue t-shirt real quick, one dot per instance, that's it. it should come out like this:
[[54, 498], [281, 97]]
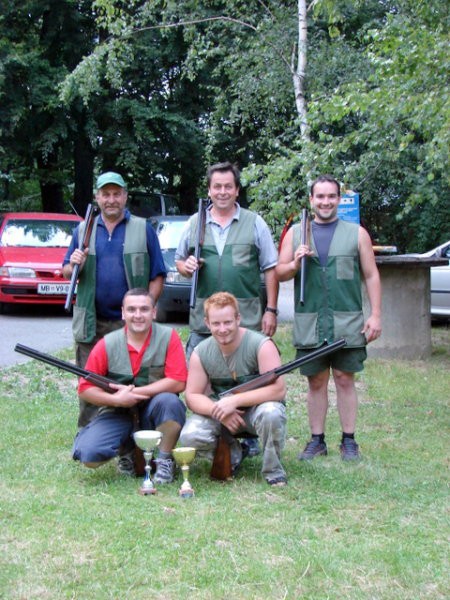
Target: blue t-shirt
[[323, 234], [111, 281]]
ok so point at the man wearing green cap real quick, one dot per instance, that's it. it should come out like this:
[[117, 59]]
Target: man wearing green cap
[[123, 253]]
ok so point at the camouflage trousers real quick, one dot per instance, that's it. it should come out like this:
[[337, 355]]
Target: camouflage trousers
[[267, 421]]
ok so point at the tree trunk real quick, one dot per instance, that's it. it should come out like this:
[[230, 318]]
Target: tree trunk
[[299, 70], [83, 158], [51, 188]]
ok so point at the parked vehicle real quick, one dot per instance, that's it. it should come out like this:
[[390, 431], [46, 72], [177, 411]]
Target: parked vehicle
[[177, 289], [440, 283], [152, 204], [32, 248]]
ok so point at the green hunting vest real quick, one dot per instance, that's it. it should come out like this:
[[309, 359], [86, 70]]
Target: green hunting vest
[[235, 271], [245, 361], [137, 270], [332, 304], [153, 361]]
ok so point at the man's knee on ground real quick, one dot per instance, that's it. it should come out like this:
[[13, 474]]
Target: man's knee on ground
[[94, 465]]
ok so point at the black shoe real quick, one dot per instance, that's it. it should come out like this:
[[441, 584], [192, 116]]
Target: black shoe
[[252, 445], [349, 449], [236, 467], [312, 449]]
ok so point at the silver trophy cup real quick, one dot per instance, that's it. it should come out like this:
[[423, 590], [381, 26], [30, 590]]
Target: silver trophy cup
[[147, 440]]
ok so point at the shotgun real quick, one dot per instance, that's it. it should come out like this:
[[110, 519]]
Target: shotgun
[[221, 467], [83, 243], [98, 380], [199, 238], [303, 241]]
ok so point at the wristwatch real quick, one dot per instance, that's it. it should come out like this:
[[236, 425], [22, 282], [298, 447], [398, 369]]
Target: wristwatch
[[272, 310]]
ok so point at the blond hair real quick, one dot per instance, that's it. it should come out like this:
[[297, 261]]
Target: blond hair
[[221, 300]]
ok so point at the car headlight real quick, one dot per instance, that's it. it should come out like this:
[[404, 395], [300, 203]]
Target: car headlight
[[175, 277], [19, 272]]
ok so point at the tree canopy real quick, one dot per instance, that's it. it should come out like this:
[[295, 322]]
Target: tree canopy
[[287, 90]]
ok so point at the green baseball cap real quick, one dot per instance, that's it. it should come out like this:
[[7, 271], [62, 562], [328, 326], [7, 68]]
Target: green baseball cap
[[110, 177]]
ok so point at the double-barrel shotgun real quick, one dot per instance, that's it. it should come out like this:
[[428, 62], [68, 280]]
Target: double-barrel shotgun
[[97, 380], [221, 467], [199, 238], [83, 243]]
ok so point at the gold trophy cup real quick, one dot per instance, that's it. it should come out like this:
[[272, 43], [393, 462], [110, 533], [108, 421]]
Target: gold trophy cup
[[183, 457], [147, 440]]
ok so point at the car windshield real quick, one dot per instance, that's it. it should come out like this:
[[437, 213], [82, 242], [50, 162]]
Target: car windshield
[[169, 233], [29, 233]]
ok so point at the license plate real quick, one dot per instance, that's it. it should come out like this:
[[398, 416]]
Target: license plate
[[53, 289]]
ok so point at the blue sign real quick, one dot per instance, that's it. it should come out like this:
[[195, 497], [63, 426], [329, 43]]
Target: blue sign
[[348, 209]]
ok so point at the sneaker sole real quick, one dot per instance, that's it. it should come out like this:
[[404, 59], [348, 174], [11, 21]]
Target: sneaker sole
[[322, 453]]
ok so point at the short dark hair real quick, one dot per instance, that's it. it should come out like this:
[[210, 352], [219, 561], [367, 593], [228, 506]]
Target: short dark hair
[[224, 167], [325, 179], [139, 292]]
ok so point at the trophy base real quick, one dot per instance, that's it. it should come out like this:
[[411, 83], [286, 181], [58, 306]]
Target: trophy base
[[147, 491], [186, 494]]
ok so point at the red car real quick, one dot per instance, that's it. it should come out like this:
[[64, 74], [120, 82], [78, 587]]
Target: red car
[[32, 248]]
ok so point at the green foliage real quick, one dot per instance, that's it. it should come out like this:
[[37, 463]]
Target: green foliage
[[158, 90], [382, 129]]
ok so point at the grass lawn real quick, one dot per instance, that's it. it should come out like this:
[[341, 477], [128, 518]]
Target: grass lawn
[[378, 529]]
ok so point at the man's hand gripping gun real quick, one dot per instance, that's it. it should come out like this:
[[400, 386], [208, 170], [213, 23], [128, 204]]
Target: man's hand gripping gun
[[97, 380], [221, 467]]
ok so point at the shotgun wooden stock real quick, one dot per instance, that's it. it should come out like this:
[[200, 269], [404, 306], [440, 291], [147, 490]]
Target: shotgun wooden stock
[[199, 238], [221, 467], [83, 243]]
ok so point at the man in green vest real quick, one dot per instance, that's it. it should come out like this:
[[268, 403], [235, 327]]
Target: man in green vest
[[233, 354], [123, 253], [147, 361], [338, 256], [236, 249]]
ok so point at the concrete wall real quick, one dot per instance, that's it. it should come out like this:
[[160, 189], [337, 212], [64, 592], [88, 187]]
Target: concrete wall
[[406, 325]]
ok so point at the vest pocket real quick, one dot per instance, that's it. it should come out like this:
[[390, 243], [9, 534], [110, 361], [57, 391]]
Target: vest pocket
[[344, 267], [79, 323], [305, 329], [138, 265], [241, 255], [349, 326]]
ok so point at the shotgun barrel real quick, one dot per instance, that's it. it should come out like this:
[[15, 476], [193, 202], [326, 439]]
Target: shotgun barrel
[[221, 466], [303, 241], [199, 238], [271, 376], [83, 243], [98, 380]]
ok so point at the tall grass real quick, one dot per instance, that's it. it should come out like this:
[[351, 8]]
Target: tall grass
[[374, 530]]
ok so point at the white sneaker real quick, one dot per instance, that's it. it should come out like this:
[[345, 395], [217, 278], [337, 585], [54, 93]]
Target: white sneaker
[[165, 469]]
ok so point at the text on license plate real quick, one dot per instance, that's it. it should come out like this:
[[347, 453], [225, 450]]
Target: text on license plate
[[53, 288]]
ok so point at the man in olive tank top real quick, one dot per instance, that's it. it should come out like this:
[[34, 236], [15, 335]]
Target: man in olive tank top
[[233, 354], [338, 256]]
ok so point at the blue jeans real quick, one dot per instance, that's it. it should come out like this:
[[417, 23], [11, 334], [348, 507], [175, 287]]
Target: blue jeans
[[112, 429]]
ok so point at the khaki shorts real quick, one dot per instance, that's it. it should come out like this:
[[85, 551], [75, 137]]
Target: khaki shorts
[[349, 360]]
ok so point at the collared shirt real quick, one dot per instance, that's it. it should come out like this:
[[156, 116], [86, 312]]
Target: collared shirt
[[174, 367], [267, 252], [111, 281]]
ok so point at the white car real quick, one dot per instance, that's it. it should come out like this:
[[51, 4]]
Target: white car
[[440, 283]]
